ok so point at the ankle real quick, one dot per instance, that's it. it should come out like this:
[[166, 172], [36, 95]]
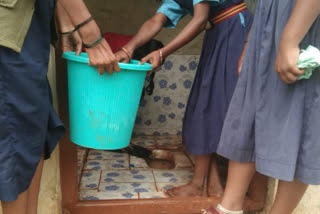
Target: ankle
[[232, 206], [222, 210], [197, 183]]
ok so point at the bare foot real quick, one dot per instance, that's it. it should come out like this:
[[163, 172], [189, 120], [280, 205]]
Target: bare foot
[[211, 210], [214, 187], [215, 190], [187, 190]]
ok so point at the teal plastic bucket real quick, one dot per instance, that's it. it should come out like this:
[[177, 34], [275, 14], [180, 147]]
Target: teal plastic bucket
[[103, 108]]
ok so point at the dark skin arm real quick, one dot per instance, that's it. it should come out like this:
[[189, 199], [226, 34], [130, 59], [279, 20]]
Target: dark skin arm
[[101, 55], [69, 42], [300, 21], [153, 26], [196, 25], [146, 32]]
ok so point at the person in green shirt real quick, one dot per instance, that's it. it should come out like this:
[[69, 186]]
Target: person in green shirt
[[30, 128]]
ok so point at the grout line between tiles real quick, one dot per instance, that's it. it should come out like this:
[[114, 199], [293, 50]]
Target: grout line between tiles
[[155, 182], [83, 167], [99, 181]]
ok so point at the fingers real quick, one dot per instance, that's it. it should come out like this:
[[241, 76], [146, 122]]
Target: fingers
[[121, 57], [78, 49], [102, 57], [100, 69], [109, 69], [143, 60], [116, 66], [289, 75], [153, 59]]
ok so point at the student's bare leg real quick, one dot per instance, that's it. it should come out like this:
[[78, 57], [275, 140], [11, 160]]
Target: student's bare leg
[[18, 206], [196, 186], [33, 192], [288, 196], [238, 181], [257, 192], [215, 188]]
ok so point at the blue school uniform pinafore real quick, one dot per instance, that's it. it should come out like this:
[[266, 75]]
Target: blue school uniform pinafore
[[216, 74], [29, 126]]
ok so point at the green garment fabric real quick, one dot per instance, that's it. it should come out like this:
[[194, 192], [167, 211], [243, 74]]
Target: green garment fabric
[[309, 60], [15, 19], [251, 4]]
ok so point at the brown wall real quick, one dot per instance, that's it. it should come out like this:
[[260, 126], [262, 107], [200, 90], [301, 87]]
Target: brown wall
[[126, 16]]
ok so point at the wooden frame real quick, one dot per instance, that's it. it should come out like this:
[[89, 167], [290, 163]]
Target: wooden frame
[[69, 178]]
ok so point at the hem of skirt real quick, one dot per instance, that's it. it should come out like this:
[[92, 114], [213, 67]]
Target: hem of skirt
[[307, 175], [9, 191], [235, 154], [201, 152], [287, 172], [52, 143]]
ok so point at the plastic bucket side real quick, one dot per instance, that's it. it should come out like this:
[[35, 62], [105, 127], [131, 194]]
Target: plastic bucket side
[[102, 108]]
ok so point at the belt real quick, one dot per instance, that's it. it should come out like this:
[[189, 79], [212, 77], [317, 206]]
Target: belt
[[229, 12]]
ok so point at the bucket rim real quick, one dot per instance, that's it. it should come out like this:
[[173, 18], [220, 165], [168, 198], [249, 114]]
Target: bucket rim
[[132, 65]]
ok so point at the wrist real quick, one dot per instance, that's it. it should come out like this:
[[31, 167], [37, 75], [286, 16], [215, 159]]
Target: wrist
[[288, 41], [130, 49], [164, 52], [90, 32]]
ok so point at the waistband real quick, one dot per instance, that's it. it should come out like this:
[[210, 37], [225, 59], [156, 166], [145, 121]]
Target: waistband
[[228, 12]]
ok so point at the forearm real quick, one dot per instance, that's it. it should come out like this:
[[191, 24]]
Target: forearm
[[77, 13], [147, 32], [189, 32], [63, 19], [301, 19]]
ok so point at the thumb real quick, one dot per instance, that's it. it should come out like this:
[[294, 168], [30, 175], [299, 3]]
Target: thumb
[[143, 60]]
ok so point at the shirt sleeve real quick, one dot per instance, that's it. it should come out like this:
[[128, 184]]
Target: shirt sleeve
[[212, 2], [172, 11]]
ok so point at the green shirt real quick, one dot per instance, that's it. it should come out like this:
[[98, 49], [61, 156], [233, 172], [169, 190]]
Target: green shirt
[[252, 4], [15, 20]]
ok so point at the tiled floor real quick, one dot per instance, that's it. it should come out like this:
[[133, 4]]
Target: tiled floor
[[110, 175]]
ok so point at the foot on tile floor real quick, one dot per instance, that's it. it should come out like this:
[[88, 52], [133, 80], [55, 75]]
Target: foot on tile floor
[[187, 190], [215, 190]]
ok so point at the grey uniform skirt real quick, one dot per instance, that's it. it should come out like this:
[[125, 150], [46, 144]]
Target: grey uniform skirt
[[274, 124]]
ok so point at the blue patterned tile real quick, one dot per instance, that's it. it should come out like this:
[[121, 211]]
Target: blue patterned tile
[[90, 179], [156, 98], [135, 176], [167, 65], [181, 105], [127, 188], [166, 137], [107, 164], [164, 110], [187, 84], [103, 195], [182, 68], [106, 155], [172, 115], [162, 118], [165, 186], [173, 176], [169, 143], [163, 83], [167, 101], [193, 65], [154, 195], [138, 163], [173, 86], [147, 142]]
